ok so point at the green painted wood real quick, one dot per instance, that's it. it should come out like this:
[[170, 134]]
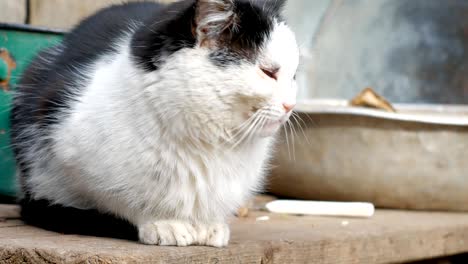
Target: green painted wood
[[22, 44]]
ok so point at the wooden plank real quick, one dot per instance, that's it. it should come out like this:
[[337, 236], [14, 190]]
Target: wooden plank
[[390, 236], [13, 11], [65, 14], [8, 211]]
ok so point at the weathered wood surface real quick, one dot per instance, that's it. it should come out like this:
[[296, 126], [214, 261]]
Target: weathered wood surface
[[390, 236], [13, 11], [65, 14]]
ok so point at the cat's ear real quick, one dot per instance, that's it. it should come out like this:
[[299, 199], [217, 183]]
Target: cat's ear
[[213, 19]]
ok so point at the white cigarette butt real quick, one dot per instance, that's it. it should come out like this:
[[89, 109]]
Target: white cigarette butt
[[351, 209]]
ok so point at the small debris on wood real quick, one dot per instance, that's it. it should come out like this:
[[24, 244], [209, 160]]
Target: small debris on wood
[[243, 212], [256, 204], [8, 211], [369, 98], [263, 218]]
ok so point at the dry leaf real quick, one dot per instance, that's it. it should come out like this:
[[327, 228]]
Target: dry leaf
[[369, 98]]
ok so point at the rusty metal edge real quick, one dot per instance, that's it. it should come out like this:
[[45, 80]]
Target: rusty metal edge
[[448, 115], [33, 29]]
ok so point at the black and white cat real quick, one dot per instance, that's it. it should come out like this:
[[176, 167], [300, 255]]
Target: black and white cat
[[154, 122]]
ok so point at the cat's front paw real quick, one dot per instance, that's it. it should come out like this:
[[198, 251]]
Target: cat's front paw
[[168, 233], [180, 233], [217, 235]]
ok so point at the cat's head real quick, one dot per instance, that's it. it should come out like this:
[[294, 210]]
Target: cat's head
[[226, 65]]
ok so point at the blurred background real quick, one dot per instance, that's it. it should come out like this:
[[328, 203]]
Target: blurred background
[[407, 50]]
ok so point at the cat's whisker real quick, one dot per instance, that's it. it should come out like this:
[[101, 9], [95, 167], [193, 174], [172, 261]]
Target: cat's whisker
[[241, 131], [251, 129], [262, 122], [299, 120], [240, 128], [311, 120], [255, 128], [248, 131], [263, 116], [293, 135], [287, 140]]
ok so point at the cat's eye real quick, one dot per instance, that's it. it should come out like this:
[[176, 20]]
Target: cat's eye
[[270, 73]]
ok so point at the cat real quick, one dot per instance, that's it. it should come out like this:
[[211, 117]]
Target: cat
[[154, 122]]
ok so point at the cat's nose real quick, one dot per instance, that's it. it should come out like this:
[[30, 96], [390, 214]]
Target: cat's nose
[[288, 107]]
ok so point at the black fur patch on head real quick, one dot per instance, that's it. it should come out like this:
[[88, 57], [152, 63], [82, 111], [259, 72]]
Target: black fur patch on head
[[164, 33], [255, 22], [225, 57], [175, 28]]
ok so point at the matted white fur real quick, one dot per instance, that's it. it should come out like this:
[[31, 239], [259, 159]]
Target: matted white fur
[[164, 149]]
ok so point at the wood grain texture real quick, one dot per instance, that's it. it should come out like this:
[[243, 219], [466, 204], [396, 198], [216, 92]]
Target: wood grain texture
[[391, 236], [13, 11], [65, 14]]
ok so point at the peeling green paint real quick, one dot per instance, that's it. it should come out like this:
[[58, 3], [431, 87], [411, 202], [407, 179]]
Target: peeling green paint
[[22, 44]]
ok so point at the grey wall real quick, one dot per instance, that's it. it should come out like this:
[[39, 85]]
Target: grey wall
[[13, 11], [408, 50], [306, 17]]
